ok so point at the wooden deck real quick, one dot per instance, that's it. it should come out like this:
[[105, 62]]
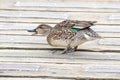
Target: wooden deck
[[27, 57]]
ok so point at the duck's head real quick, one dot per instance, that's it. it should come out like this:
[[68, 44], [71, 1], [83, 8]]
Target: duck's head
[[42, 29]]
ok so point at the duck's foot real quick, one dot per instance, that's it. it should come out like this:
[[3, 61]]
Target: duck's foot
[[65, 51], [68, 50]]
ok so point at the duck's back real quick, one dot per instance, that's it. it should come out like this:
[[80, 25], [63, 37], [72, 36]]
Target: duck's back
[[89, 34]]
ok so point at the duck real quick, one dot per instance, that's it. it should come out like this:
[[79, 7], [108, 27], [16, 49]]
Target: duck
[[68, 34]]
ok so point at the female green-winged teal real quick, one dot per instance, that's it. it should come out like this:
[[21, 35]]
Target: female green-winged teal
[[68, 33]]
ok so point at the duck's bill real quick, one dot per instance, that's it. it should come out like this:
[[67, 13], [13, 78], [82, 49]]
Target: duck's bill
[[34, 30]]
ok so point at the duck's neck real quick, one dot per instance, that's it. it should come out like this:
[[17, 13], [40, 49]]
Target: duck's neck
[[47, 31]]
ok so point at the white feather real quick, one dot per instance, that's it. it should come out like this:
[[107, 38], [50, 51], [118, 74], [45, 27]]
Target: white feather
[[87, 37]]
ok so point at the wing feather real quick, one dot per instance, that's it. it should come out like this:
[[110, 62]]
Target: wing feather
[[74, 23]]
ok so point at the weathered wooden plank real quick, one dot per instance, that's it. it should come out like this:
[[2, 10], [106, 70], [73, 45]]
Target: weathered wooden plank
[[46, 56], [86, 46], [109, 42], [64, 60], [17, 32], [29, 20], [20, 26], [11, 3], [25, 33], [32, 14], [102, 69], [29, 44], [60, 9], [21, 29], [114, 35], [19, 67], [42, 40], [58, 70], [38, 67], [10, 78], [23, 26], [91, 76], [103, 18], [22, 39], [69, 5], [114, 17], [53, 21], [65, 1], [61, 60]]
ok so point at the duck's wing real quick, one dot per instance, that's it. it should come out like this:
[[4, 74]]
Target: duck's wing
[[74, 23], [65, 24], [82, 24]]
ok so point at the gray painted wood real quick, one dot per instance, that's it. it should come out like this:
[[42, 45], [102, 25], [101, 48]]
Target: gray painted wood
[[92, 46], [70, 5], [114, 17], [23, 39], [36, 16], [103, 69], [24, 14], [47, 56], [42, 40], [10, 78], [59, 70], [20, 67]]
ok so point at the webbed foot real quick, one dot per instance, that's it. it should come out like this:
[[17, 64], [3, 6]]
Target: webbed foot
[[68, 50]]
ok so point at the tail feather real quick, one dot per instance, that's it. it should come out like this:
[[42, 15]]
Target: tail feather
[[92, 34]]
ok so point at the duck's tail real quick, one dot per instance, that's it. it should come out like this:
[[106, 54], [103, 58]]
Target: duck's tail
[[91, 34]]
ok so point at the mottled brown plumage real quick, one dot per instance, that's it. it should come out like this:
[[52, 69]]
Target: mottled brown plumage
[[68, 33], [72, 23]]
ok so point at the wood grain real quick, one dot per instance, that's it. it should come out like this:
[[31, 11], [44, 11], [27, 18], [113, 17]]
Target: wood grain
[[27, 26], [9, 78], [57, 70], [70, 5], [42, 40], [103, 18], [47, 56]]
